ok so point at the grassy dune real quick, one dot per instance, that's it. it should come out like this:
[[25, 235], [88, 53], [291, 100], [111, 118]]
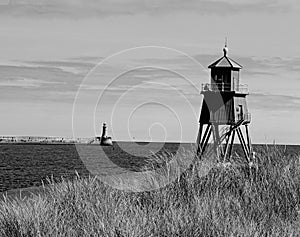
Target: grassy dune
[[231, 200]]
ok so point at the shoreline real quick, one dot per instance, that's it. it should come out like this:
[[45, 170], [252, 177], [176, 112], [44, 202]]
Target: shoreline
[[22, 193], [137, 142]]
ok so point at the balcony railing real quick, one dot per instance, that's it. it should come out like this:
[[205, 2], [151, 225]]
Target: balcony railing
[[225, 87], [246, 118]]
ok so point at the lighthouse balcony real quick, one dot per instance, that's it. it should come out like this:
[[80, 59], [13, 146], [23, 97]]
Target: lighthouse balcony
[[239, 119], [225, 87]]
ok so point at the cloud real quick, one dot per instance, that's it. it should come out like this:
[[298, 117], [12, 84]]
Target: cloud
[[102, 8], [273, 102], [143, 80], [109, 89], [59, 81], [290, 64], [81, 67], [27, 83], [66, 72], [36, 83]]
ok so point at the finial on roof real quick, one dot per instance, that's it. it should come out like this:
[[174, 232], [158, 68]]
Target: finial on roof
[[225, 49]]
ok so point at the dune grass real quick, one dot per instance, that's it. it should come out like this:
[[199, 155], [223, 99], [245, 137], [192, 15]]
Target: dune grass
[[230, 200]]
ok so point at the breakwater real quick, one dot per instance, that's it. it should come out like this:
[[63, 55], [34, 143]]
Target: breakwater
[[51, 140]]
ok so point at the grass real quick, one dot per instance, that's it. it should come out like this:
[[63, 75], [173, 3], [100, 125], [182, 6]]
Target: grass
[[210, 199]]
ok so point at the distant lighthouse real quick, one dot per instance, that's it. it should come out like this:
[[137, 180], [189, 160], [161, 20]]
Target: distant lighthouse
[[105, 140], [224, 110]]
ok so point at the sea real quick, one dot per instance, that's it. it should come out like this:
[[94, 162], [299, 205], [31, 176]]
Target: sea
[[30, 165]]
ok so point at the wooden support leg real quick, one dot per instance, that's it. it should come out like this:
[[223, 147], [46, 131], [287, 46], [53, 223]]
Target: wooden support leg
[[208, 127], [226, 146], [206, 139], [248, 139], [199, 136], [215, 145], [219, 143], [201, 147], [242, 141], [231, 144]]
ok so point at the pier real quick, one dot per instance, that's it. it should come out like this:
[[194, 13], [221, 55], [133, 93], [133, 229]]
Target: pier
[[47, 140]]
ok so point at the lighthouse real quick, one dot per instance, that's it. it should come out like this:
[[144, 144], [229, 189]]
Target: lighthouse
[[224, 113], [105, 140]]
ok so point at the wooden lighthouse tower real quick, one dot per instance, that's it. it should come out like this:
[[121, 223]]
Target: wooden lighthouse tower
[[224, 111]]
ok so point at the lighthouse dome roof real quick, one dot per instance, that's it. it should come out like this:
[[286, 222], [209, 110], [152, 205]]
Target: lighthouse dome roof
[[225, 61]]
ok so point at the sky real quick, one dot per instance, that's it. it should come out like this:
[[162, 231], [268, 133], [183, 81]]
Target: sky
[[66, 66]]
